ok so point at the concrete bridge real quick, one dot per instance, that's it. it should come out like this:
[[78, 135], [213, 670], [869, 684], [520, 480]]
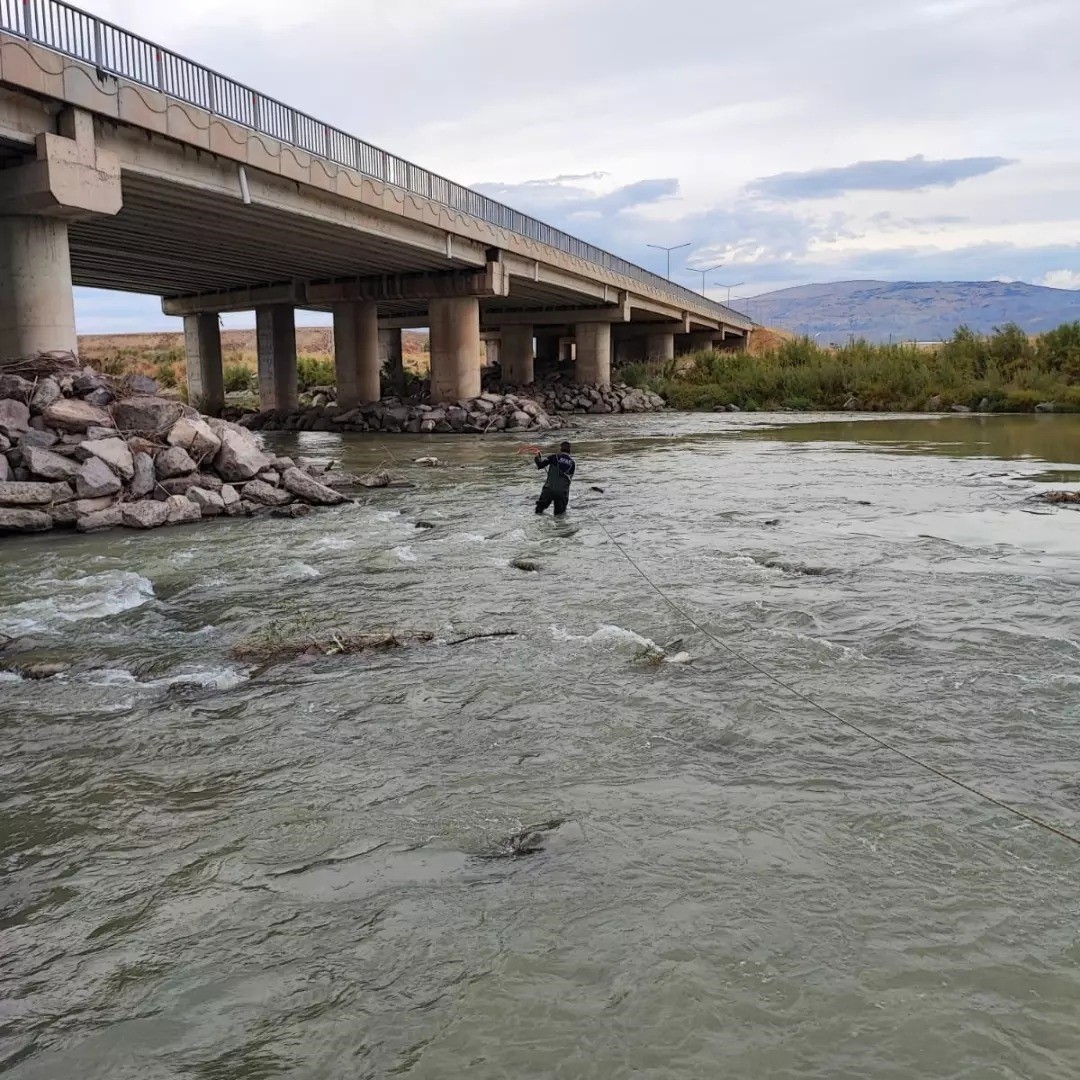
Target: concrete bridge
[[126, 166]]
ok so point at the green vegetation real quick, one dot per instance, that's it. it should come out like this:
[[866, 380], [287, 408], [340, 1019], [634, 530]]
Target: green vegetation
[[314, 371], [239, 378], [1002, 372]]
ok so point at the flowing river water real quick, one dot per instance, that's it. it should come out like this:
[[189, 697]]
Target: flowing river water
[[220, 872]]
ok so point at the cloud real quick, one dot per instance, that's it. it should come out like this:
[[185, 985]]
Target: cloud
[[912, 174], [1061, 279]]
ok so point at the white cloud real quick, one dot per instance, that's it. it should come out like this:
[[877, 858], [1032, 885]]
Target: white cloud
[[1061, 279]]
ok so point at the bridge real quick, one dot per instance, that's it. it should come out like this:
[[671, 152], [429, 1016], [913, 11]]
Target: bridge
[[126, 166]]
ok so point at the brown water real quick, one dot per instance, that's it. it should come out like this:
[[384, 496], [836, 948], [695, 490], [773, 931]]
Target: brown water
[[215, 872]]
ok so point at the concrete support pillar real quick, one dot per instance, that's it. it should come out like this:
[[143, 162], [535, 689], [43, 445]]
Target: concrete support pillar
[[275, 338], [492, 351], [202, 351], [37, 307], [356, 352], [702, 340], [455, 348], [391, 362], [593, 362], [517, 360], [660, 347], [547, 350]]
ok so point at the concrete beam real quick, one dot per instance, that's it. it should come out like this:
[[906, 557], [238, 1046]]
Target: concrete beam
[[455, 348], [246, 299], [202, 351], [492, 280], [275, 339], [592, 364], [356, 353]]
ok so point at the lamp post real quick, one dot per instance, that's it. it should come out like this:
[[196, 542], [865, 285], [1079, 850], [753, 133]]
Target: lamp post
[[707, 270], [669, 250], [735, 285]]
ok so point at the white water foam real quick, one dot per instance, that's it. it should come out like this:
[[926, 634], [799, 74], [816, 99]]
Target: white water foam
[[223, 678], [617, 636], [841, 650], [387, 515], [406, 554], [299, 571], [334, 543], [95, 596]]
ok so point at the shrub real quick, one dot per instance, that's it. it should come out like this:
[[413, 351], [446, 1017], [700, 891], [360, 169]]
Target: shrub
[[238, 378], [311, 371]]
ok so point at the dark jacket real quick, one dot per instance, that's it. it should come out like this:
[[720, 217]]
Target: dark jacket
[[560, 469]]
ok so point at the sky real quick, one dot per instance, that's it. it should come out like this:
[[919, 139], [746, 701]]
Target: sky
[[791, 141]]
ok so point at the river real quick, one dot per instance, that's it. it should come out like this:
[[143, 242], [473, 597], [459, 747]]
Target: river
[[220, 872]]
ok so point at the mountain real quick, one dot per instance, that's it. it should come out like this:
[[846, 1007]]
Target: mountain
[[912, 310]]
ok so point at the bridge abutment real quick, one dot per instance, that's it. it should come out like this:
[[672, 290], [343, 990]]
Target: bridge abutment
[[455, 348], [592, 364], [275, 337], [202, 353], [356, 352]]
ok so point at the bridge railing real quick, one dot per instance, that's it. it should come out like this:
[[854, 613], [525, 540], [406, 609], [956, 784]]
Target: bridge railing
[[66, 29]]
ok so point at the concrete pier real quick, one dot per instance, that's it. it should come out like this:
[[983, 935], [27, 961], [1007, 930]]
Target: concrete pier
[[37, 308], [275, 336], [660, 347], [356, 352], [517, 355], [202, 352], [391, 362], [455, 348], [593, 361]]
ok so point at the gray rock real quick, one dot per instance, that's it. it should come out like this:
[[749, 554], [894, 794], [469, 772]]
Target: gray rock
[[5, 469], [95, 479], [69, 512], [961, 409], [5, 444], [93, 433], [14, 418], [180, 485], [266, 495], [99, 519], [733, 408], [147, 415], [295, 510], [181, 510], [210, 503], [311, 491], [15, 386], [427, 426], [240, 508], [142, 483], [68, 414], [1046, 407], [115, 453], [144, 514], [272, 476], [229, 495], [375, 480], [25, 493], [45, 393], [530, 566], [175, 461], [195, 436], [102, 396], [239, 458], [87, 382], [851, 404], [24, 521], [47, 465], [42, 439], [38, 672], [142, 384], [520, 420], [984, 405]]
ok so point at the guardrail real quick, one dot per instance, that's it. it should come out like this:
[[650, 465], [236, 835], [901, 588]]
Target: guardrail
[[68, 30]]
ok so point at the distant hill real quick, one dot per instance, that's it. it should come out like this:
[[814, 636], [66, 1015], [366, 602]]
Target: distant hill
[[912, 310]]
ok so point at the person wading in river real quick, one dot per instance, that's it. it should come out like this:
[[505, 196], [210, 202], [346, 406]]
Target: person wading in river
[[556, 487]]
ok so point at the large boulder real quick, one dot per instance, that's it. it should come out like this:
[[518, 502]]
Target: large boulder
[[195, 436], [33, 437], [147, 415], [99, 520], [68, 414], [229, 496], [180, 485], [145, 514], [45, 393], [95, 479], [47, 465], [175, 461], [5, 469], [24, 521], [239, 458], [210, 503], [69, 512], [181, 510], [25, 493], [309, 490], [14, 418], [115, 453], [15, 386], [142, 384], [265, 494], [142, 483]]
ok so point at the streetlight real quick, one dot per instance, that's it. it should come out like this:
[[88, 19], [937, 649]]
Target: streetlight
[[669, 250], [729, 288], [709, 270]]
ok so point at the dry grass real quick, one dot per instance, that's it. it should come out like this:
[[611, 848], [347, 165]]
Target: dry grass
[[275, 647]]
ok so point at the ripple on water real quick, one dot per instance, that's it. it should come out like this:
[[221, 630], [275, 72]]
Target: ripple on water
[[75, 599]]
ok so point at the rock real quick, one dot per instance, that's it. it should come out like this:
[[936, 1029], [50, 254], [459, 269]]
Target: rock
[[5, 469], [961, 409], [239, 457], [984, 405], [180, 485], [175, 461], [25, 493], [33, 437], [102, 396], [375, 480], [1046, 407], [320, 401], [272, 476], [294, 511], [282, 463], [115, 453], [139, 445], [24, 521], [47, 465], [210, 503], [71, 415], [195, 436], [851, 404], [530, 566], [239, 508], [229, 495], [37, 672], [181, 510], [95, 479], [69, 512], [45, 393], [147, 415], [520, 419], [424, 525], [100, 519], [934, 404], [142, 384], [15, 386], [311, 491], [427, 426], [14, 418], [261, 492], [87, 383], [144, 514], [142, 483]]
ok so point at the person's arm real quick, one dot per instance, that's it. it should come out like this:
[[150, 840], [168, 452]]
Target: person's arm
[[542, 462], [570, 471]]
